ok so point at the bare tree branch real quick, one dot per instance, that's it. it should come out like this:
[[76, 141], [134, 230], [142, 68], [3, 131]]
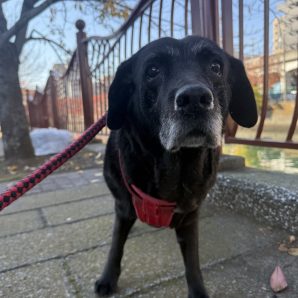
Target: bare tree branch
[[30, 14], [3, 23], [51, 45], [25, 19], [48, 40]]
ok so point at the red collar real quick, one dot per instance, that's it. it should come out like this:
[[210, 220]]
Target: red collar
[[155, 212]]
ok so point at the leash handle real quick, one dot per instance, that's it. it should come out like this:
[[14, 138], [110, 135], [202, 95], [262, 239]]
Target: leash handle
[[22, 186]]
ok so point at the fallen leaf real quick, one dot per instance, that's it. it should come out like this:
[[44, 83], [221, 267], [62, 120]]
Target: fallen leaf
[[98, 174], [293, 251], [292, 238], [283, 248], [278, 280], [94, 180], [98, 155], [12, 169]]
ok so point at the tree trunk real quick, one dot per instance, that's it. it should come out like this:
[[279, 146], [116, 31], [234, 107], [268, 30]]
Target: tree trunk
[[14, 125]]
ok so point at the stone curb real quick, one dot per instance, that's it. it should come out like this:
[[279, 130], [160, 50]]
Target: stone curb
[[264, 201]]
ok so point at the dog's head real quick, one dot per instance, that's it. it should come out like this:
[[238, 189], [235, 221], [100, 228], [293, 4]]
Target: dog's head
[[180, 92]]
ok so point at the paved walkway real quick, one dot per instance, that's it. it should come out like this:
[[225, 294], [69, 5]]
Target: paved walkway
[[54, 241]]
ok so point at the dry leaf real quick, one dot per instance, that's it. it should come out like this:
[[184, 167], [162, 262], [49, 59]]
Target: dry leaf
[[12, 169], [293, 251], [283, 248], [94, 180], [278, 280], [292, 238], [98, 155]]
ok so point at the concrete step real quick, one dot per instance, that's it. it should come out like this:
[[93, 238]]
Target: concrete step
[[266, 196]]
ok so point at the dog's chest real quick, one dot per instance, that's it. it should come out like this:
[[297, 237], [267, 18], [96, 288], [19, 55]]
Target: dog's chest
[[186, 177]]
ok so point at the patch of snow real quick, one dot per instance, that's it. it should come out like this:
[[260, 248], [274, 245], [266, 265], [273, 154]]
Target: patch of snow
[[50, 140]]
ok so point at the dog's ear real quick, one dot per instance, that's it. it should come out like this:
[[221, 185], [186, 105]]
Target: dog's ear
[[119, 95], [242, 107]]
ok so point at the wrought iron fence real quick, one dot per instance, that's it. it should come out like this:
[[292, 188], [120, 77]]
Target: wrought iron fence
[[69, 98], [82, 92], [278, 113]]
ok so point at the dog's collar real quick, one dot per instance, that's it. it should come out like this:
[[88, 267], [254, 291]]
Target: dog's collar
[[155, 212]]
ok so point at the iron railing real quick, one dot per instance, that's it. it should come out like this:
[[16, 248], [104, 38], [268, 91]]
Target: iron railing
[[82, 91], [273, 136]]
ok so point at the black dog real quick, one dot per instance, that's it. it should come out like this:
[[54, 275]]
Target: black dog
[[167, 109]]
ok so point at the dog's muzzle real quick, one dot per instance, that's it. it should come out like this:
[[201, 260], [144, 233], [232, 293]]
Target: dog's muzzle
[[195, 121]]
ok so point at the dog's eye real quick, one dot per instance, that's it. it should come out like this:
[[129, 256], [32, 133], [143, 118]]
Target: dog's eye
[[216, 68], [152, 71]]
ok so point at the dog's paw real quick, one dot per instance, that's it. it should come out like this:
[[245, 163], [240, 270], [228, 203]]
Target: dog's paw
[[105, 287]]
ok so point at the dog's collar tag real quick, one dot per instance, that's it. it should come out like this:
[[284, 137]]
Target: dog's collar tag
[[154, 212]]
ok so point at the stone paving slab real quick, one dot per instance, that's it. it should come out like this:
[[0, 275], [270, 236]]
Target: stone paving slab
[[175, 287], [142, 263], [78, 210], [45, 280], [29, 202], [59, 241], [244, 276], [63, 180], [248, 275], [151, 258], [20, 223], [54, 242]]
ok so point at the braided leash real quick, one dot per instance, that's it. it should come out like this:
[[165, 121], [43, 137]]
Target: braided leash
[[22, 186]]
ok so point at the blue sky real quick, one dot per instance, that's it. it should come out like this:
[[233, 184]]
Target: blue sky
[[38, 58]]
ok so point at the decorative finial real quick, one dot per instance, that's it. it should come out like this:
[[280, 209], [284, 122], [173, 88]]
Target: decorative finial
[[80, 24]]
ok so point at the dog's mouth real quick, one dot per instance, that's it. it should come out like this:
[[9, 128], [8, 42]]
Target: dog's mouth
[[193, 139], [175, 135]]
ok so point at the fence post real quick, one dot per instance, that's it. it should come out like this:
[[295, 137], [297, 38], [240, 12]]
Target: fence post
[[85, 76], [227, 42], [53, 94], [205, 19]]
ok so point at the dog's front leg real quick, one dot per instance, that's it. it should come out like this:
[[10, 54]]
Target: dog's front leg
[[187, 237], [107, 284]]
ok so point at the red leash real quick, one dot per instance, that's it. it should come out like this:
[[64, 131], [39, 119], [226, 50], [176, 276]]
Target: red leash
[[22, 186]]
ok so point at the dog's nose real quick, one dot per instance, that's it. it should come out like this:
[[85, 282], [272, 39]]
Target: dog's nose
[[193, 97]]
